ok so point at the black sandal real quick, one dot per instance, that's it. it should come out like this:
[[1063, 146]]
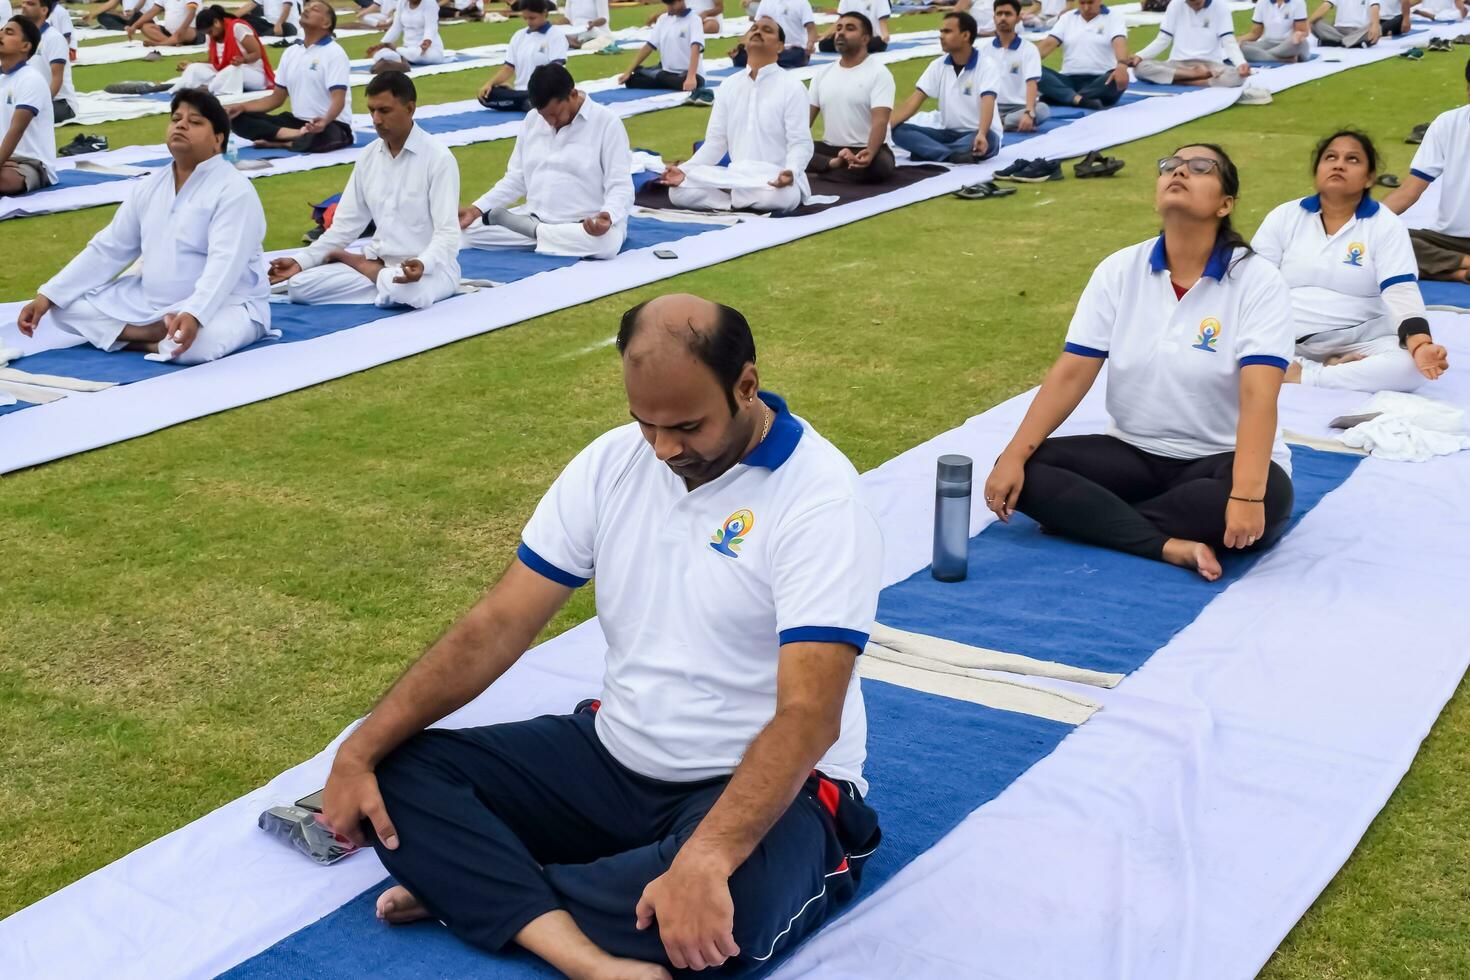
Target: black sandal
[[982, 190]]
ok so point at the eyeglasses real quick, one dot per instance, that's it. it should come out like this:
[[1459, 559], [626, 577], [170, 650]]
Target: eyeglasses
[[1196, 165]]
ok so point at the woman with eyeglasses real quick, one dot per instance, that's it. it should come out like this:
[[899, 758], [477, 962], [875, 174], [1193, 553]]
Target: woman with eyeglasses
[[1197, 332], [1360, 320]]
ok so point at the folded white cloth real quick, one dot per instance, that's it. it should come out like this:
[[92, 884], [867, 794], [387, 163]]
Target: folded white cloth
[[1410, 429]]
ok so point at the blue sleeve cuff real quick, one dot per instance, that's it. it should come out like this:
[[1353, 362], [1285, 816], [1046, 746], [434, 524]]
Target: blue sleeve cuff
[[33, 110], [1084, 351], [1395, 280], [1266, 359], [1421, 175], [333, 88], [824, 634], [546, 569]]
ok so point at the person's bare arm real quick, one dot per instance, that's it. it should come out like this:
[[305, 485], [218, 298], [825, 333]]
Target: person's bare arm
[[250, 51], [905, 112], [18, 123], [1047, 45], [1254, 33], [1406, 194], [1245, 511], [877, 132], [272, 100], [1319, 13], [475, 652]]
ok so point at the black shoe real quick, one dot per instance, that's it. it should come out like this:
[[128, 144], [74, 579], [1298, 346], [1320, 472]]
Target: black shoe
[[1005, 173], [313, 235], [84, 143], [1097, 165], [1039, 172], [1093, 104], [1416, 135], [964, 156]]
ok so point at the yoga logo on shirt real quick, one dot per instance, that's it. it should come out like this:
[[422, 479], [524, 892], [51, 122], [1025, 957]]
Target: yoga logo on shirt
[[1357, 251], [727, 539], [1209, 334]]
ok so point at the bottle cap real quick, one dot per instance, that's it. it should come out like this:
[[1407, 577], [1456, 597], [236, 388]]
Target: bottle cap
[[955, 468]]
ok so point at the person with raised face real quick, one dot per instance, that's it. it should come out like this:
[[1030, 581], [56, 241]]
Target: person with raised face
[[198, 227], [27, 133], [798, 31], [1095, 59], [1198, 334], [316, 77], [854, 98]]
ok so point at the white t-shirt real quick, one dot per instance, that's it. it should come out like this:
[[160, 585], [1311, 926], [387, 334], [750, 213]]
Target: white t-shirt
[[959, 93], [698, 591], [529, 50], [580, 13], [1277, 20], [177, 13], [1336, 281], [310, 73], [847, 98], [60, 19], [1173, 385], [675, 35], [271, 11], [984, 13], [1087, 45], [1445, 156], [53, 51], [1352, 14], [792, 15], [24, 87], [1016, 64], [875, 10], [1197, 33]]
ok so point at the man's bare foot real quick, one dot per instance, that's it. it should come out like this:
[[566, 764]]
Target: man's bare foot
[[556, 938], [1293, 373], [398, 906], [1193, 555]]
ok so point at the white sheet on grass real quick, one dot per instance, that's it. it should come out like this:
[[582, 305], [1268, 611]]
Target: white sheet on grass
[[121, 51]]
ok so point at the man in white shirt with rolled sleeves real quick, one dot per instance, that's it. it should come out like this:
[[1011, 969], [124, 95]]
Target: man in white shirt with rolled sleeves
[[406, 184], [572, 164], [1204, 50], [855, 100], [761, 119]]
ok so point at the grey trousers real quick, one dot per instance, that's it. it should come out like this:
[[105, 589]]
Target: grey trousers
[[1162, 72], [1332, 36], [1439, 254], [1010, 115], [1283, 50]]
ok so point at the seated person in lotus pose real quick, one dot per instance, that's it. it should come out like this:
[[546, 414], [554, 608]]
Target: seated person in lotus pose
[[798, 32], [316, 77], [378, 16], [877, 13], [730, 735], [27, 133], [117, 15], [584, 21], [854, 97], [1443, 11], [176, 29], [412, 39], [1443, 249], [1355, 24], [272, 18], [52, 59], [760, 119], [1198, 335], [1202, 37], [198, 226], [406, 184], [1396, 19], [678, 37], [532, 46], [1018, 67], [966, 85], [572, 164], [236, 60], [1094, 43], [1360, 320], [1043, 15], [1279, 32], [983, 13], [711, 15]]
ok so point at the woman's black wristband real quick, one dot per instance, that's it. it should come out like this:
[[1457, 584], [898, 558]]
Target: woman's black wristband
[[1413, 325]]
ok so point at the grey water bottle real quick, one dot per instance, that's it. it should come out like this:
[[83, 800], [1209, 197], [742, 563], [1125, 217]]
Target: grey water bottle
[[952, 519]]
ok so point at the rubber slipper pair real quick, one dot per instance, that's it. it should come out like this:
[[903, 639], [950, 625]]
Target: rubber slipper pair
[[982, 190]]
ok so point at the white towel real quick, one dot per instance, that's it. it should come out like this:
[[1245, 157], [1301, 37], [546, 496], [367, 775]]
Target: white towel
[[1410, 429]]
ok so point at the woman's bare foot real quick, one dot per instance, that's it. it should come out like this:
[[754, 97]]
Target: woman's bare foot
[[1193, 555], [398, 906], [1293, 373]]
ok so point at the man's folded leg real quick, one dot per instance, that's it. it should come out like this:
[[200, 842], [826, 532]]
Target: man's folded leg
[[434, 285], [700, 198], [768, 200], [331, 283]]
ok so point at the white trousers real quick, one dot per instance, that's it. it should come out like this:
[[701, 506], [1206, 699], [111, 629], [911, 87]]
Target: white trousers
[[1385, 366], [337, 283], [1162, 72], [232, 80], [412, 55], [551, 239], [376, 20], [232, 328], [774, 200]]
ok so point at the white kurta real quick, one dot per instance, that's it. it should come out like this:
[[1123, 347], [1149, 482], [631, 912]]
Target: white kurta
[[411, 27], [201, 252]]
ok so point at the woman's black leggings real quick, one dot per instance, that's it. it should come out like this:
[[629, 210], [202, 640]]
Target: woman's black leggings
[[1101, 490]]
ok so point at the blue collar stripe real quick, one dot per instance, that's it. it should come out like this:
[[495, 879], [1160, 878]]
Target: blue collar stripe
[[1215, 268], [969, 65], [1014, 45], [1367, 207], [778, 445]]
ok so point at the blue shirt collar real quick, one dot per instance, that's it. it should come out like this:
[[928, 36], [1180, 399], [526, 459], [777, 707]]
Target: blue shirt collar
[[1015, 43], [45, 26], [683, 13], [778, 445], [1367, 207], [1215, 268], [969, 65], [18, 66], [328, 39], [540, 30]]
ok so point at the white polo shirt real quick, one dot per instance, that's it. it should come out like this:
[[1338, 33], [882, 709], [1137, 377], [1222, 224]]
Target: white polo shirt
[[1174, 364], [1337, 281], [176, 14], [529, 50], [675, 35], [1445, 156], [847, 98], [875, 10], [55, 51], [1198, 33], [959, 92], [24, 87], [1351, 14], [1087, 45], [60, 18], [1016, 64], [271, 11], [309, 74], [698, 590], [792, 15], [1277, 20]]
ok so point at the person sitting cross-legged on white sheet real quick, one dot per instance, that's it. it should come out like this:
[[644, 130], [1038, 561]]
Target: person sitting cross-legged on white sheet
[[175, 30], [572, 164], [316, 76], [1018, 64], [378, 16], [1205, 52], [406, 184], [678, 37], [1443, 244], [1360, 321], [584, 21], [52, 59], [1279, 32], [197, 225], [854, 99], [965, 84], [412, 39], [532, 46], [1443, 11], [27, 133], [761, 119], [1354, 24], [236, 61]]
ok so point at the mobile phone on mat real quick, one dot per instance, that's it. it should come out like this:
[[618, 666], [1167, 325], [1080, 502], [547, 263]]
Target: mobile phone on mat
[[664, 253]]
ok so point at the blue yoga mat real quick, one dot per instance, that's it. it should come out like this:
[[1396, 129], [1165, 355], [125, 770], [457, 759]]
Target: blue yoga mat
[[76, 178], [1455, 294], [931, 761], [508, 265], [7, 409], [1055, 599]]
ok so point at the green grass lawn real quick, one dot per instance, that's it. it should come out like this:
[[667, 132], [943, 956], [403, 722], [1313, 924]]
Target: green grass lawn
[[187, 614]]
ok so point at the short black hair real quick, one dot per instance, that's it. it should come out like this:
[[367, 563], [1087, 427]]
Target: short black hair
[[549, 83], [396, 84], [1013, 4], [30, 30], [725, 348], [50, 5], [1369, 150], [534, 6], [208, 16], [862, 19], [207, 105], [967, 23]]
